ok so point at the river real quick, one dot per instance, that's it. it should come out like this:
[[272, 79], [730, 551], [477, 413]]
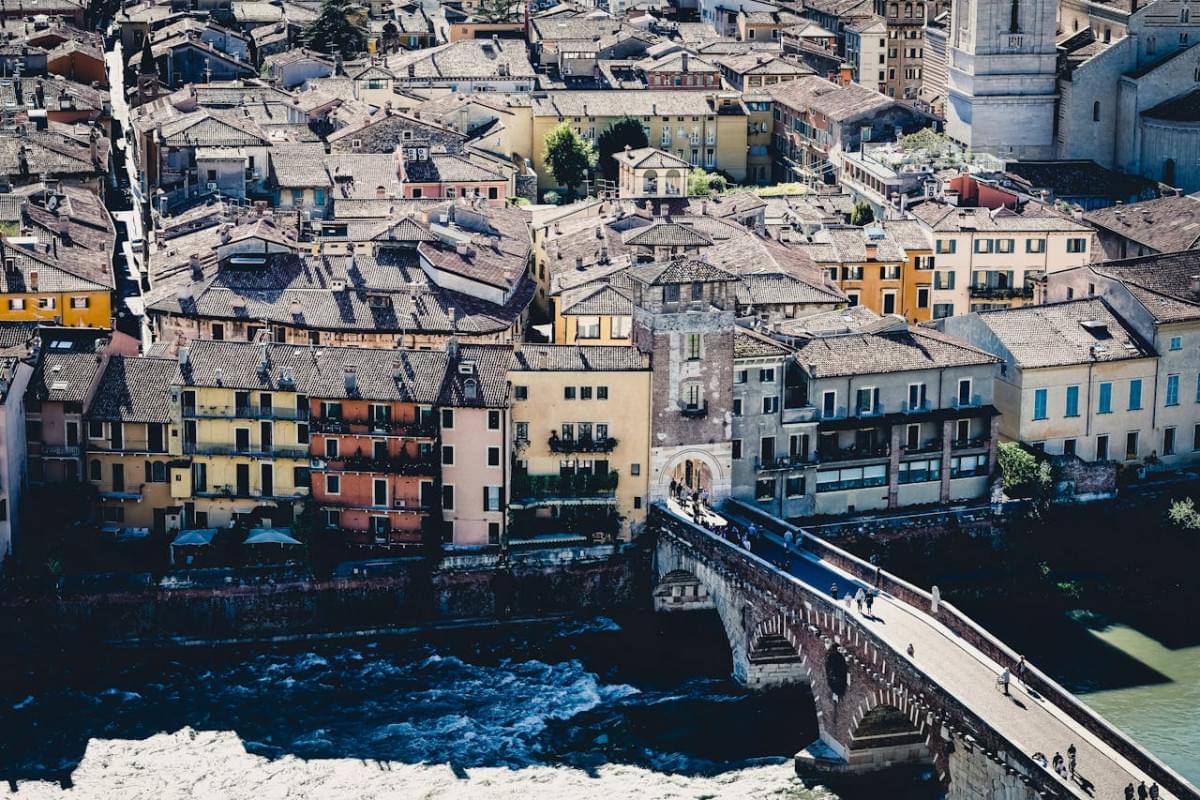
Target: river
[[580, 709]]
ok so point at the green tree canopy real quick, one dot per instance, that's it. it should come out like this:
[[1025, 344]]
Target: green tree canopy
[[341, 27], [570, 157], [626, 131], [862, 214], [702, 183]]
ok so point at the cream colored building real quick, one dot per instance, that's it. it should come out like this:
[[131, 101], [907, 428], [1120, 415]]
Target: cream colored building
[[1075, 380], [581, 434]]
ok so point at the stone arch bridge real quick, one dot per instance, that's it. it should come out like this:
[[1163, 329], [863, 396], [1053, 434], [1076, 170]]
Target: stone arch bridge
[[877, 707]]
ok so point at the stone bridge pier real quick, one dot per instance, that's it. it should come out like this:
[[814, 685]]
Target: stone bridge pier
[[874, 710]]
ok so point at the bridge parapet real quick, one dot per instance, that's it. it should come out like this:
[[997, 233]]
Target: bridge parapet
[[978, 637]]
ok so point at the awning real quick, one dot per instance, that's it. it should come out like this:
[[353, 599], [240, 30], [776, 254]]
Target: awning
[[195, 536], [269, 536]]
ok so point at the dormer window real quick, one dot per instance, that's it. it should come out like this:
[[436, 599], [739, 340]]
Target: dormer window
[[470, 389]]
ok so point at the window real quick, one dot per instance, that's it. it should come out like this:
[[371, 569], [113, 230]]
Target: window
[[16, 304], [829, 404], [766, 376], [1068, 447], [983, 245], [737, 449], [968, 466], [832, 480], [1072, 409], [333, 484], [922, 297], [1096, 111], [588, 327], [919, 471], [331, 448], [1131, 445], [585, 393], [1168, 441], [1078, 245], [1102, 447], [601, 392], [1039, 404], [1004, 245], [943, 279], [493, 420], [964, 392], [1035, 245], [1176, 343], [46, 302], [737, 406], [331, 410], [1135, 394], [671, 293], [448, 497], [770, 405], [764, 489], [94, 470], [635, 469], [740, 376], [1104, 404], [916, 396], [521, 392], [448, 454], [491, 498], [493, 454], [301, 433], [568, 393], [79, 302], [794, 486], [447, 418], [522, 431], [621, 327], [693, 347], [95, 429]]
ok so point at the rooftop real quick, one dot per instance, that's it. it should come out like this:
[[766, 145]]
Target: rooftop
[[1061, 334], [1167, 224]]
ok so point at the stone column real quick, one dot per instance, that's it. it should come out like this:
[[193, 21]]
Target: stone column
[[947, 439], [894, 466]]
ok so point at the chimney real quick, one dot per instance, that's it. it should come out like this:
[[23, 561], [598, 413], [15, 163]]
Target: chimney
[[683, 59], [1194, 284], [579, 262], [450, 312], [294, 308], [452, 344], [184, 354], [664, 211], [197, 269], [350, 376], [33, 279]]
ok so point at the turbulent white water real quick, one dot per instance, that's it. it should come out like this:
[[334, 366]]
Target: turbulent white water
[[208, 764]]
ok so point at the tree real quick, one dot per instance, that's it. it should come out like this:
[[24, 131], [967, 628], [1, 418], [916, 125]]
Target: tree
[[862, 214], [1183, 514], [496, 10], [340, 28], [625, 132], [570, 157], [702, 183], [1024, 474]]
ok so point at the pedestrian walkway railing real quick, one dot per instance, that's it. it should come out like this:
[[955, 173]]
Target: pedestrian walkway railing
[[974, 634]]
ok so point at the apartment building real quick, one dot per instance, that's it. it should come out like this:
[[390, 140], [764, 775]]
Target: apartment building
[[1075, 378], [846, 412], [581, 437], [990, 258], [865, 263], [1158, 297]]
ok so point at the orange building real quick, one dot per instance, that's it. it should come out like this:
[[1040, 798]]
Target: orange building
[[865, 263], [373, 434], [916, 291]]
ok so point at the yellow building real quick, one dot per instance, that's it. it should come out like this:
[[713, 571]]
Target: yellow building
[[598, 314], [581, 427], [865, 263], [245, 429], [703, 131], [38, 288], [916, 291], [128, 445]]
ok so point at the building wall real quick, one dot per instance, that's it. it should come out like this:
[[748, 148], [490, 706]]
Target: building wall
[[566, 328], [98, 313], [471, 436], [12, 456], [626, 412], [917, 275]]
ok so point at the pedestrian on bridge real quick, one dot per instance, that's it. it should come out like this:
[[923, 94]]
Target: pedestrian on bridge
[[833, 591], [674, 489], [1020, 672], [870, 603], [859, 597], [788, 538], [846, 598], [1154, 791], [1004, 679], [1071, 754], [1142, 791], [1129, 792]]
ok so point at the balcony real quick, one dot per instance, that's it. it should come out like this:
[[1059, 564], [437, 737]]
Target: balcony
[[420, 430], [973, 443], [410, 505], [244, 412], [694, 411], [396, 465], [852, 453], [582, 445], [999, 293], [973, 401], [535, 488], [253, 451], [54, 450], [930, 446], [233, 492], [800, 414], [783, 463]]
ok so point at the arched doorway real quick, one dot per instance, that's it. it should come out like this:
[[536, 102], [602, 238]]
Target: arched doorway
[[693, 470]]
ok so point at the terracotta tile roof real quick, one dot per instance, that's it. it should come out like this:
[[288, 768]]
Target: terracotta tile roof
[[134, 390], [1059, 334], [577, 358]]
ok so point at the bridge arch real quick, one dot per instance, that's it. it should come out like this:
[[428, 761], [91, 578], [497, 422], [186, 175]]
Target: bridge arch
[[696, 469]]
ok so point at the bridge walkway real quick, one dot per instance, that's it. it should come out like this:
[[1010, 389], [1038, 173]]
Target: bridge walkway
[[1024, 718]]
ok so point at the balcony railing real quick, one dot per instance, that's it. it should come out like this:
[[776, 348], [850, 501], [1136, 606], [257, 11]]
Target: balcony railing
[[605, 444], [999, 293], [783, 463], [971, 443], [397, 465], [425, 430], [244, 412], [54, 450], [930, 446], [544, 487], [695, 411], [254, 451], [800, 414], [973, 401], [852, 453], [249, 493]]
